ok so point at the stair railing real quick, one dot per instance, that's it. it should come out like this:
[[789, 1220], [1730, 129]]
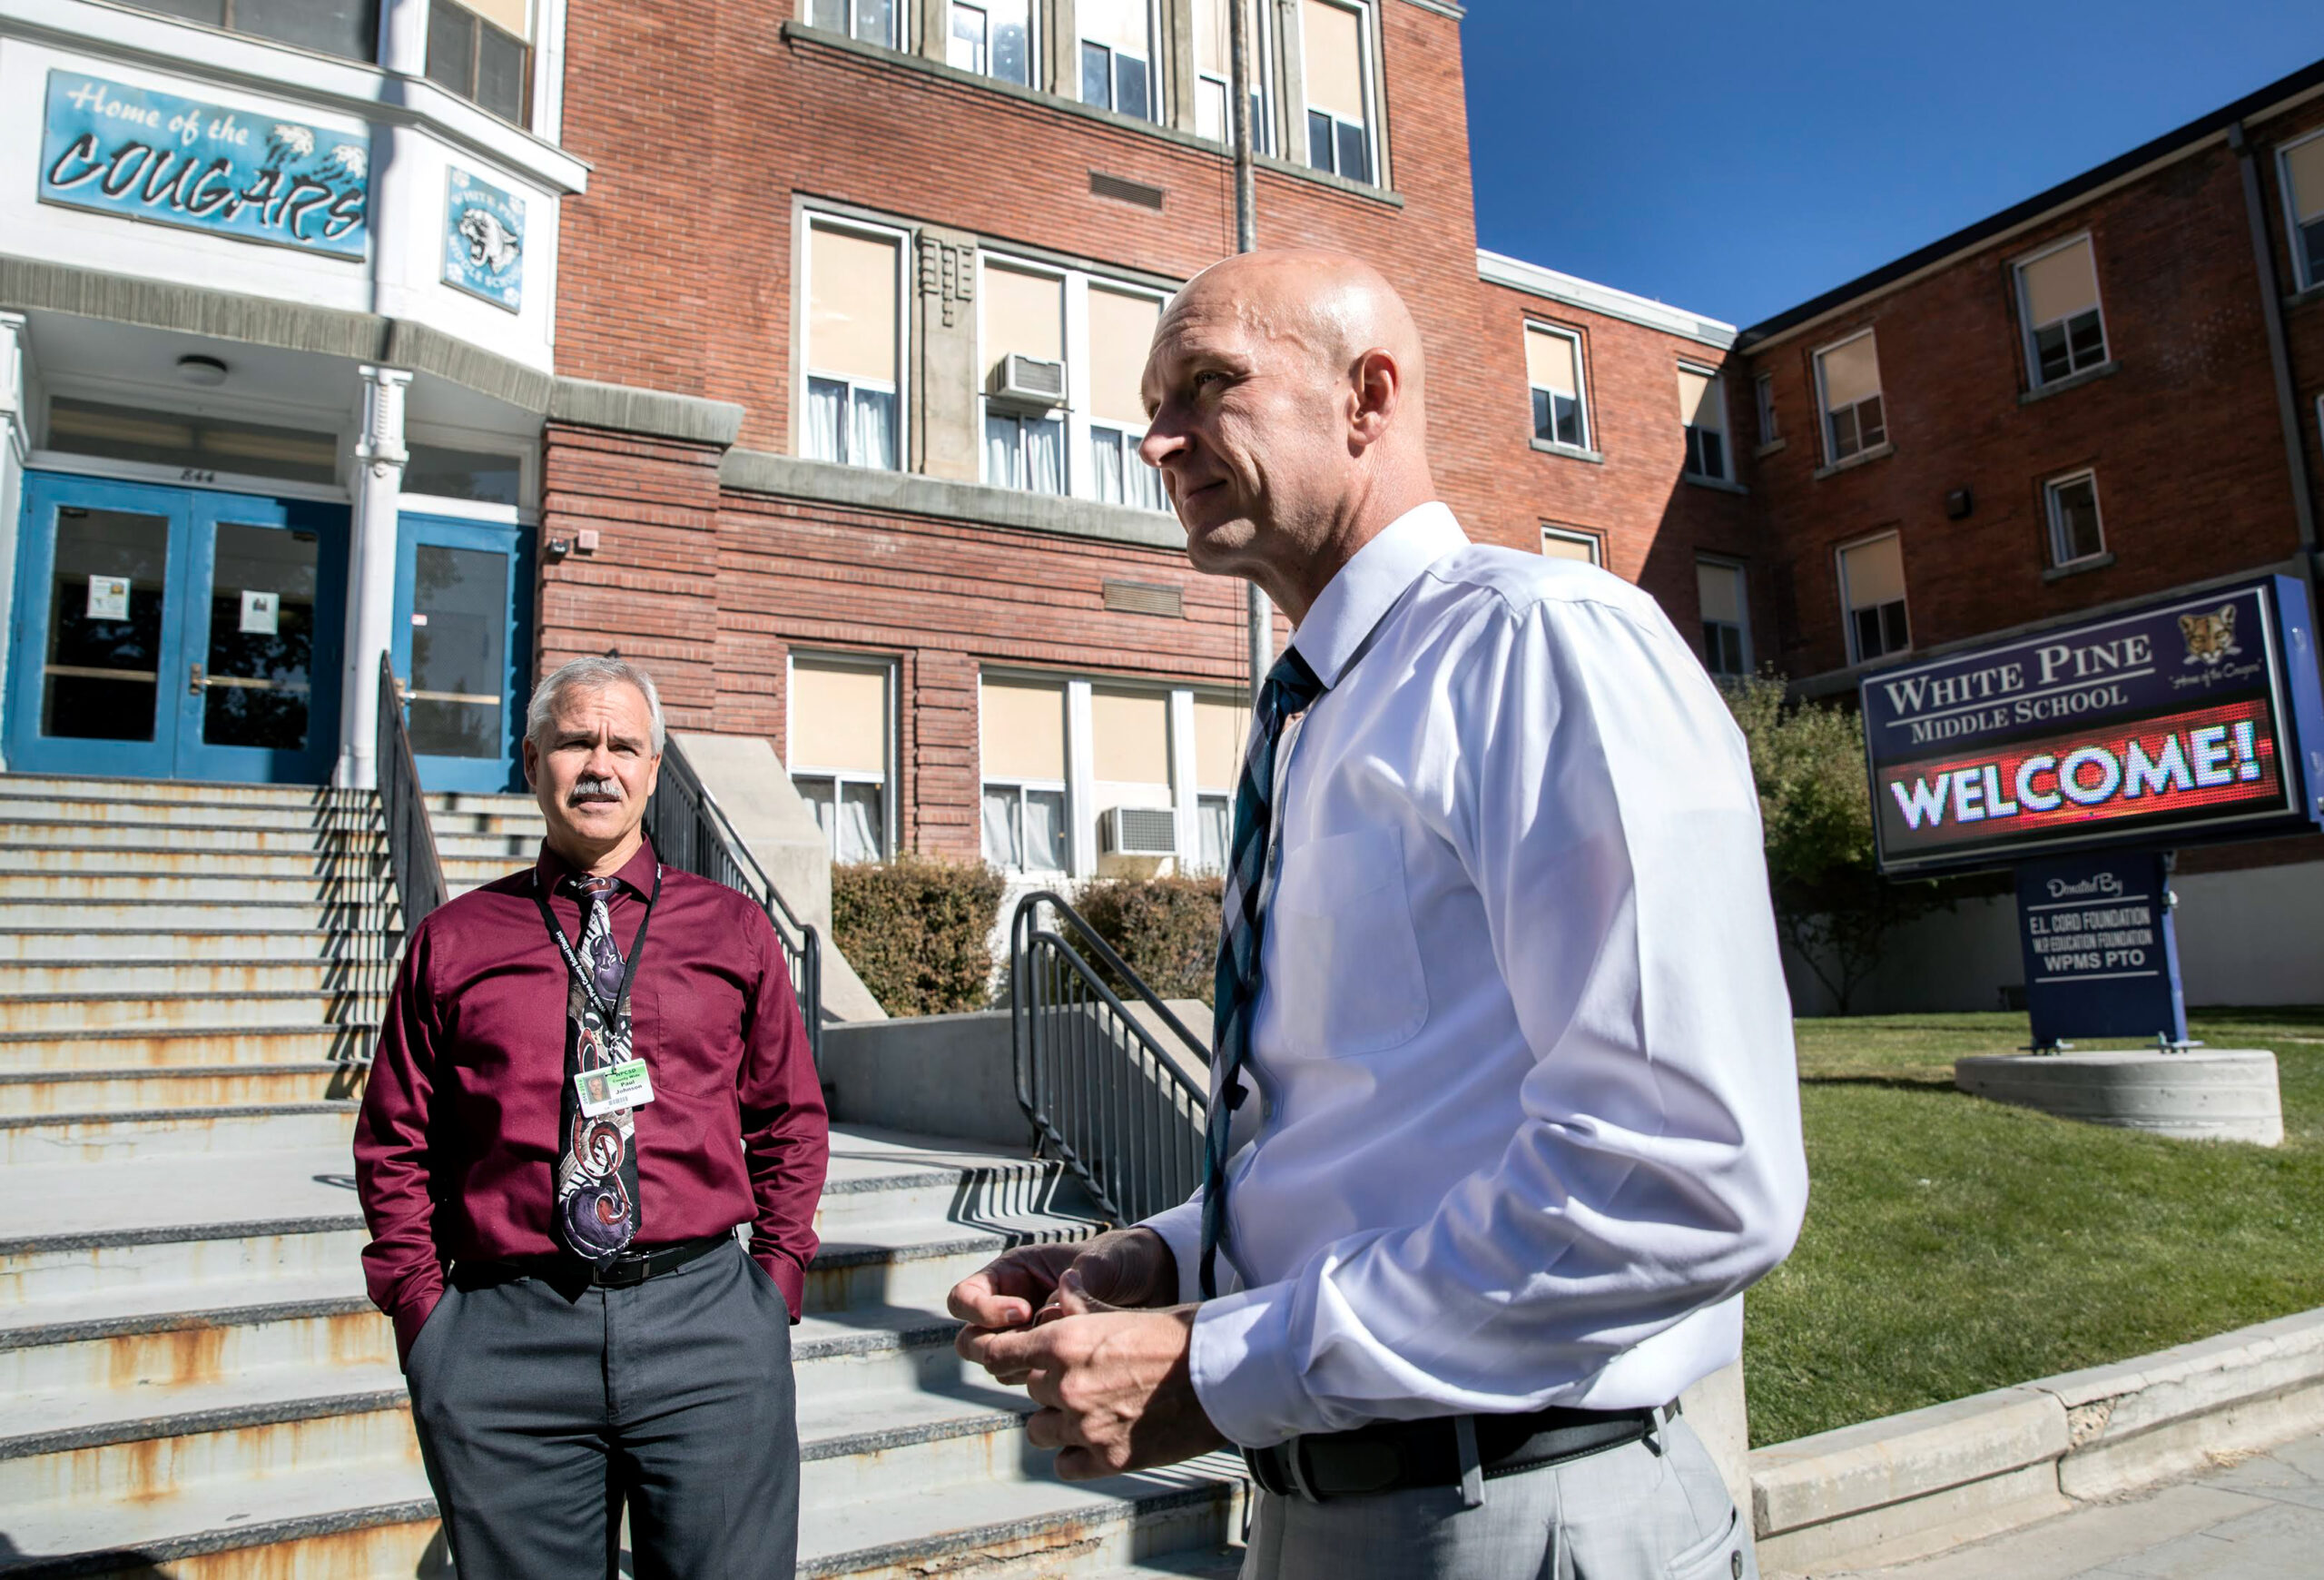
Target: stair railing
[[417, 871], [691, 833], [1113, 1097]]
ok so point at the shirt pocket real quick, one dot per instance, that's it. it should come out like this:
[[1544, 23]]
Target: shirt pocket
[[689, 1032], [1348, 979]]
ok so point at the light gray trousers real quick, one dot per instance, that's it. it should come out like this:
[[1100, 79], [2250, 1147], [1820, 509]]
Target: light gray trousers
[[1627, 1514]]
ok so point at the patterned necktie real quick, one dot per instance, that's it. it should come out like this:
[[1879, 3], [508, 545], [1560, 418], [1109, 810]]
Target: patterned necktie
[[1291, 687], [597, 1180]]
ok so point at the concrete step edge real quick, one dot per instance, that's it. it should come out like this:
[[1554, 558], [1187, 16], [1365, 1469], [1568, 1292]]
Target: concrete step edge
[[187, 1029], [880, 1330], [871, 1254], [164, 1072], [41, 1336], [25, 1121], [145, 1558], [973, 1421], [933, 1548], [81, 1239], [192, 1423]]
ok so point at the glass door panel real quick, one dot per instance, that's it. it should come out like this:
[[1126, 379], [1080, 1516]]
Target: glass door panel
[[259, 678], [459, 651], [107, 592]]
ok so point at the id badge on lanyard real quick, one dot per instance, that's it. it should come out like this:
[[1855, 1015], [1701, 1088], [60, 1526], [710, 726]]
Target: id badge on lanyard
[[626, 1084]]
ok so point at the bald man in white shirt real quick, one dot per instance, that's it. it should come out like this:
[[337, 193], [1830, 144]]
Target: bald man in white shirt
[[1499, 965]]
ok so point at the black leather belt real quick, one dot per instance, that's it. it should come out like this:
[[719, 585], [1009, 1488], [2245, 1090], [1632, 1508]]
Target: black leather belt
[[1392, 1456], [618, 1272]]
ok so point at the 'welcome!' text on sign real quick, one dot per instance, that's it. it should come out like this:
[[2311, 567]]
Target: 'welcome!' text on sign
[[2171, 722], [149, 155]]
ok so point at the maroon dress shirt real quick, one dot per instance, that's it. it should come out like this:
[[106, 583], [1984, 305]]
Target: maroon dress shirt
[[457, 1143]]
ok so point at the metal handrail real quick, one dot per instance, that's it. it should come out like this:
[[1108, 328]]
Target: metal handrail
[[691, 833], [417, 872], [1103, 1092]]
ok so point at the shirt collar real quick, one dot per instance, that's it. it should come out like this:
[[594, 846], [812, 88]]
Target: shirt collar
[[636, 873], [1352, 602]]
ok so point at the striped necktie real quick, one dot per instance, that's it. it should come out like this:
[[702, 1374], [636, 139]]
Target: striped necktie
[[1291, 687]]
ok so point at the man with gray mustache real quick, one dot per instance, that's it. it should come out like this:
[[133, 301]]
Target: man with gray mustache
[[591, 1074]]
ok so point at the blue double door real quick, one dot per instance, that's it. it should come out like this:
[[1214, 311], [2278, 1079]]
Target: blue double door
[[175, 633]]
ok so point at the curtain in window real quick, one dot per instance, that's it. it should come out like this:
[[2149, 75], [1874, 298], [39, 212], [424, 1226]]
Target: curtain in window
[[826, 401], [856, 833], [1106, 459], [1001, 443], [1044, 828], [1001, 847], [1216, 816], [1141, 484], [872, 429], [1045, 457]]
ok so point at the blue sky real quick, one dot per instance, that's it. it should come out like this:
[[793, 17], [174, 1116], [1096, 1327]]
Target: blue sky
[[1737, 159]]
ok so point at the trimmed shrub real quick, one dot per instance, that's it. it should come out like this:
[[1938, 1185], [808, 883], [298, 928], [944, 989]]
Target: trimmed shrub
[[919, 931], [1165, 928]]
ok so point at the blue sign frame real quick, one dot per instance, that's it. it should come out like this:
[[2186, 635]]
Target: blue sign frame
[[141, 154], [484, 240], [2188, 720]]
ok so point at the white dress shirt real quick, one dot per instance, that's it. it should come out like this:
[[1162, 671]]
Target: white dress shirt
[[1529, 1121]]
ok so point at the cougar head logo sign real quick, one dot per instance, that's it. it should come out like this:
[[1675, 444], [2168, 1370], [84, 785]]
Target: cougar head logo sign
[[2210, 639]]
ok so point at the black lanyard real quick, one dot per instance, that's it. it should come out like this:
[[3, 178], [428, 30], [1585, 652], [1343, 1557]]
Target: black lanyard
[[587, 978]]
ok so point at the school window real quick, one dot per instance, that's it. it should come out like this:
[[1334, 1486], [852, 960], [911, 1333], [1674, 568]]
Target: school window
[[1339, 135], [351, 28], [481, 50], [1849, 377], [1025, 381], [2303, 178], [842, 720], [1020, 735], [2057, 291], [2072, 506], [1565, 543], [1131, 793], [1121, 329], [1222, 727], [1726, 621], [1554, 369], [872, 21], [1871, 591], [1763, 389], [1117, 55], [993, 38], [1702, 409], [851, 358], [1214, 72]]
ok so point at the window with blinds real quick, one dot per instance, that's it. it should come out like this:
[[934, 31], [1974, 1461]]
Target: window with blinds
[[853, 326], [1021, 744], [341, 27], [2057, 292], [841, 725], [1872, 592], [1024, 316], [2303, 180], [1214, 68], [1339, 119], [1553, 370], [1222, 732], [1117, 55], [1121, 332], [1564, 543], [1702, 409], [1847, 377], [482, 50], [1727, 623]]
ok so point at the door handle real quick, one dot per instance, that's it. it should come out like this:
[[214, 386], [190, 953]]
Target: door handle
[[193, 681]]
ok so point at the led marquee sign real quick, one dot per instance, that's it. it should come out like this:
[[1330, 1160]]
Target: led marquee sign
[[2180, 724]]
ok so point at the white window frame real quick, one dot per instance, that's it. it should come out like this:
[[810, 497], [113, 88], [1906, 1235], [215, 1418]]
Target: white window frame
[[1847, 609], [1824, 405], [1032, 40], [1020, 788], [1262, 80], [1132, 465], [898, 26], [1075, 374], [2059, 559], [1590, 540], [888, 671], [1113, 80], [1763, 394], [1726, 430], [1742, 603], [1580, 385], [2025, 315], [1082, 427], [1366, 52], [2308, 278], [846, 225]]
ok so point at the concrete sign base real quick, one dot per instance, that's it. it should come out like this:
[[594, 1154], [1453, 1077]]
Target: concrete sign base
[[2213, 1094]]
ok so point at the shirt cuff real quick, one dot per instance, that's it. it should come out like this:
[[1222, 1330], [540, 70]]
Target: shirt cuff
[[413, 1308], [1181, 1230], [789, 1278], [1241, 1363]]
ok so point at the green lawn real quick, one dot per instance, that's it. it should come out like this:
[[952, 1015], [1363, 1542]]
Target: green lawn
[[1953, 1245]]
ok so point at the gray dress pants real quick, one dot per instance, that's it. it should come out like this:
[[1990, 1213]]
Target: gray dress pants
[[1627, 1514], [544, 1407]]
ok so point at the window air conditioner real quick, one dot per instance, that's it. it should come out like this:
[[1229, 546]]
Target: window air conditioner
[[1147, 831], [1028, 381]]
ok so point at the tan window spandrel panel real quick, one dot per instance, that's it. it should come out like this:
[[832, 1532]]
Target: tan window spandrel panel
[[509, 16], [1548, 362], [1116, 23], [1024, 313], [1558, 546], [1720, 589], [1333, 38], [2060, 285], [1222, 729], [2305, 166], [1851, 373], [851, 320], [1121, 332], [1699, 404], [1214, 42], [1021, 729], [1129, 737], [1876, 573], [839, 717]]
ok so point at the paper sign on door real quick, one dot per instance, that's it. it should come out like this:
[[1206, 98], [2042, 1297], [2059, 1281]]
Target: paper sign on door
[[262, 613], [108, 597]]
